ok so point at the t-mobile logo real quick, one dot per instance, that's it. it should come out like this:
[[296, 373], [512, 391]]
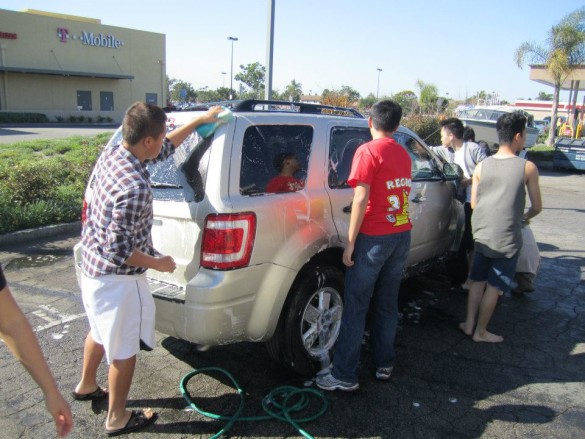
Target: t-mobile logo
[[63, 34]]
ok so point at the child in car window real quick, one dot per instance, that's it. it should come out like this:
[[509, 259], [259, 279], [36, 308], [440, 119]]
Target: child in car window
[[287, 165]]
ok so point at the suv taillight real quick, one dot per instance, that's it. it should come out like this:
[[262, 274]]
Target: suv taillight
[[228, 240]]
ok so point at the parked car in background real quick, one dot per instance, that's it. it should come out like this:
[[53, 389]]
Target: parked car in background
[[258, 265], [542, 126]]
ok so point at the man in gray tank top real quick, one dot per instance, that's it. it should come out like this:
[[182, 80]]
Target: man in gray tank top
[[498, 199]]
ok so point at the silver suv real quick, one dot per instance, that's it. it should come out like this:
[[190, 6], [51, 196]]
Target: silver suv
[[259, 261]]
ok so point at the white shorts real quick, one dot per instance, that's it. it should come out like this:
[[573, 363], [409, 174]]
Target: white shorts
[[120, 309]]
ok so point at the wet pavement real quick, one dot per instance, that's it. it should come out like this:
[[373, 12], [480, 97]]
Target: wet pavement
[[444, 385]]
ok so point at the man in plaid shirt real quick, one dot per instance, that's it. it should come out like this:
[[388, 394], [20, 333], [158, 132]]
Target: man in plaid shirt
[[116, 252]]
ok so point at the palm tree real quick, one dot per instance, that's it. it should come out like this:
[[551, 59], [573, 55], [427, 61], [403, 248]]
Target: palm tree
[[293, 91], [564, 49], [429, 93]]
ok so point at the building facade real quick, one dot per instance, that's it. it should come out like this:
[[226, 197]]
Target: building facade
[[64, 66]]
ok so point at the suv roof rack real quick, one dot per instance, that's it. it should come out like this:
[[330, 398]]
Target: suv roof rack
[[293, 107], [259, 105]]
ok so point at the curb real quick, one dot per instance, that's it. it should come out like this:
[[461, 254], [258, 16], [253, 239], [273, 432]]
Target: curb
[[42, 232]]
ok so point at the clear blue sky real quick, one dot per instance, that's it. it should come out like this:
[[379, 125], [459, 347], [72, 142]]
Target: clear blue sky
[[460, 46]]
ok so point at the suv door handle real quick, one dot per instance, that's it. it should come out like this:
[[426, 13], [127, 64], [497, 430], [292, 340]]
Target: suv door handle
[[418, 199], [347, 209]]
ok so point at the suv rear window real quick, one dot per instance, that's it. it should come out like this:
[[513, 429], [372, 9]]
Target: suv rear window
[[271, 151], [182, 176]]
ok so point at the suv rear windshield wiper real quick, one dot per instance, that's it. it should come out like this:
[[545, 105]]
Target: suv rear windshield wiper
[[165, 185]]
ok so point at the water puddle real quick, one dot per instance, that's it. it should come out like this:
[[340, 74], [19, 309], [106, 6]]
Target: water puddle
[[32, 261]]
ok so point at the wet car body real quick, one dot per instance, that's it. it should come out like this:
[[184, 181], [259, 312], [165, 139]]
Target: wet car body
[[260, 266]]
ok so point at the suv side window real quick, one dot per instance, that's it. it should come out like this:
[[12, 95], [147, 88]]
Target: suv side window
[[275, 158], [424, 166], [343, 144]]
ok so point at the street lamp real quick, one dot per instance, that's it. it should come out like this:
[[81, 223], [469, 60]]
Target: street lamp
[[223, 73], [232, 39], [378, 88]]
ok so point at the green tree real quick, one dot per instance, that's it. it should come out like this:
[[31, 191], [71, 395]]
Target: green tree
[[352, 95], [293, 91], [344, 97], [480, 97], [542, 96], [220, 94], [190, 95], [407, 100], [562, 51], [367, 102], [170, 84], [429, 93], [253, 77]]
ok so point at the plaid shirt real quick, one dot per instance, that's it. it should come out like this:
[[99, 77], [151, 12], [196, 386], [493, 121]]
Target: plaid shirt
[[119, 216]]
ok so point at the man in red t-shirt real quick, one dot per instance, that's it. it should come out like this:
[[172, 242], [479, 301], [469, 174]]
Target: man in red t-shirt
[[376, 252]]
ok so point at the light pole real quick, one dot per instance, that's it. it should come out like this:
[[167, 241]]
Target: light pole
[[223, 73], [378, 88], [232, 39], [269, 51]]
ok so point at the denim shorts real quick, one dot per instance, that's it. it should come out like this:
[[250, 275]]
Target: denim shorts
[[498, 272]]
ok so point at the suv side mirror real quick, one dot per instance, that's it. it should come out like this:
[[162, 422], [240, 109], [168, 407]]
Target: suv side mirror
[[452, 171]]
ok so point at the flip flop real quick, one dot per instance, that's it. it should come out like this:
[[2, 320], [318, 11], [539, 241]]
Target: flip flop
[[96, 395], [137, 421]]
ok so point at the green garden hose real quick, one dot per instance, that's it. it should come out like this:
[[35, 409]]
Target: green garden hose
[[292, 399]]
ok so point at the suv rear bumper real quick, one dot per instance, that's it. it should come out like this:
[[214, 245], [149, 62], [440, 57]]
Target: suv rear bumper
[[221, 307]]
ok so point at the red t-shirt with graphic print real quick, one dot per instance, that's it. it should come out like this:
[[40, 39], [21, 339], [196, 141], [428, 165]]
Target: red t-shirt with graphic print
[[283, 183], [385, 167]]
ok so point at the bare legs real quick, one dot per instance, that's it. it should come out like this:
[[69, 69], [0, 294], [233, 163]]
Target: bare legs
[[482, 297], [119, 380], [92, 357]]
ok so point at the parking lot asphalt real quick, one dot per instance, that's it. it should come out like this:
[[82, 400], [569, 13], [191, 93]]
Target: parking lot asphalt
[[444, 385]]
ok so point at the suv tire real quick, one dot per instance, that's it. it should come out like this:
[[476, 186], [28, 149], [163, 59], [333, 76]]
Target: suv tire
[[309, 325]]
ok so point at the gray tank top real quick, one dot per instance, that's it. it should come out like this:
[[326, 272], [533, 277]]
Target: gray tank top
[[497, 218]]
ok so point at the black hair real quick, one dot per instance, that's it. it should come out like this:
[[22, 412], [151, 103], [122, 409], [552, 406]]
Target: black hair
[[386, 115], [508, 125], [280, 158], [454, 125], [468, 135], [142, 120]]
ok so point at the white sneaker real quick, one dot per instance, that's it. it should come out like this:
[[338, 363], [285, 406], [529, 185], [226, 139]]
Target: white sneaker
[[329, 382], [383, 373]]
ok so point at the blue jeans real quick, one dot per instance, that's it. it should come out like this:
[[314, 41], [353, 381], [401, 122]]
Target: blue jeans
[[377, 271]]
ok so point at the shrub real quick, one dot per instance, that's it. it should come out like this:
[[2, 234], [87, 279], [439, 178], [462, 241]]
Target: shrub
[[42, 182], [427, 127], [23, 118], [28, 182], [59, 119], [39, 213], [540, 153]]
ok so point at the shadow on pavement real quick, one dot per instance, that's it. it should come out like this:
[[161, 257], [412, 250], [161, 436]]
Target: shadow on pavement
[[444, 384]]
